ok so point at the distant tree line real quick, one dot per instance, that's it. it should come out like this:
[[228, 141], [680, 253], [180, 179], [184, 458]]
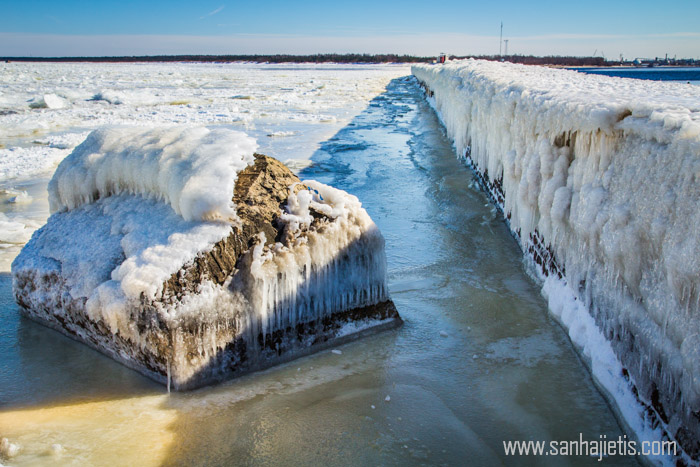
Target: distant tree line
[[280, 58], [325, 58]]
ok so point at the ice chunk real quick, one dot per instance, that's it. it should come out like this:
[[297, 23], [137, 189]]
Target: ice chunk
[[298, 164], [17, 197], [8, 449], [56, 450], [13, 232], [111, 96], [48, 101], [279, 134]]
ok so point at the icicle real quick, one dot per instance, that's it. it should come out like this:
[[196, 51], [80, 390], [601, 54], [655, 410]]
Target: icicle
[[168, 370]]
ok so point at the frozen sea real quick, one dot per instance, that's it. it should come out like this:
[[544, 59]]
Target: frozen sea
[[478, 361]]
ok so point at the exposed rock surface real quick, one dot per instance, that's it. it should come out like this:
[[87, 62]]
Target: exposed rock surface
[[260, 194], [219, 315]]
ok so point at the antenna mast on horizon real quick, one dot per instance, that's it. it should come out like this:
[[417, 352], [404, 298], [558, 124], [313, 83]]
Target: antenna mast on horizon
[[500, 40]]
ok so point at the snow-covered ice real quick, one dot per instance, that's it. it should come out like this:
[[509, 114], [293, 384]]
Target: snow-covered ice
[[25, 162], [603, 172], [47, 109]]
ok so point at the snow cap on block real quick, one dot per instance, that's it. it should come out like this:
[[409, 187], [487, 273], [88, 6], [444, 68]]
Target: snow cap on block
[[193, 169]]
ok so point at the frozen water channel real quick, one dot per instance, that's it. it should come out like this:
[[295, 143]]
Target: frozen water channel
[[478, 360]]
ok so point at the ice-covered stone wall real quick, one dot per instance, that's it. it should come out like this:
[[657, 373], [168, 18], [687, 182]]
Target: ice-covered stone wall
[[599, 177]]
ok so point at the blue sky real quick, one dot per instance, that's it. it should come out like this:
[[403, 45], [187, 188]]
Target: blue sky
[[79, 27]]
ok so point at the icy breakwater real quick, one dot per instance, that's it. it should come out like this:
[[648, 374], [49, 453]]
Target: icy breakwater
[[599, 178], [184, 255]]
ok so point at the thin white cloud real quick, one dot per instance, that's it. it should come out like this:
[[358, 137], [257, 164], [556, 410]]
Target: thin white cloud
[[214, 12]]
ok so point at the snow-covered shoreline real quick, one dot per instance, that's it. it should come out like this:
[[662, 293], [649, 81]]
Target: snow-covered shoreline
[[597, 178]]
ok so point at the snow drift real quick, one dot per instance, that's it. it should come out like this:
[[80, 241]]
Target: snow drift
[[180, 253], [599, 178]]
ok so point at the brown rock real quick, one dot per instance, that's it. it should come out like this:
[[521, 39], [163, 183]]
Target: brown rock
[[260, 194]]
